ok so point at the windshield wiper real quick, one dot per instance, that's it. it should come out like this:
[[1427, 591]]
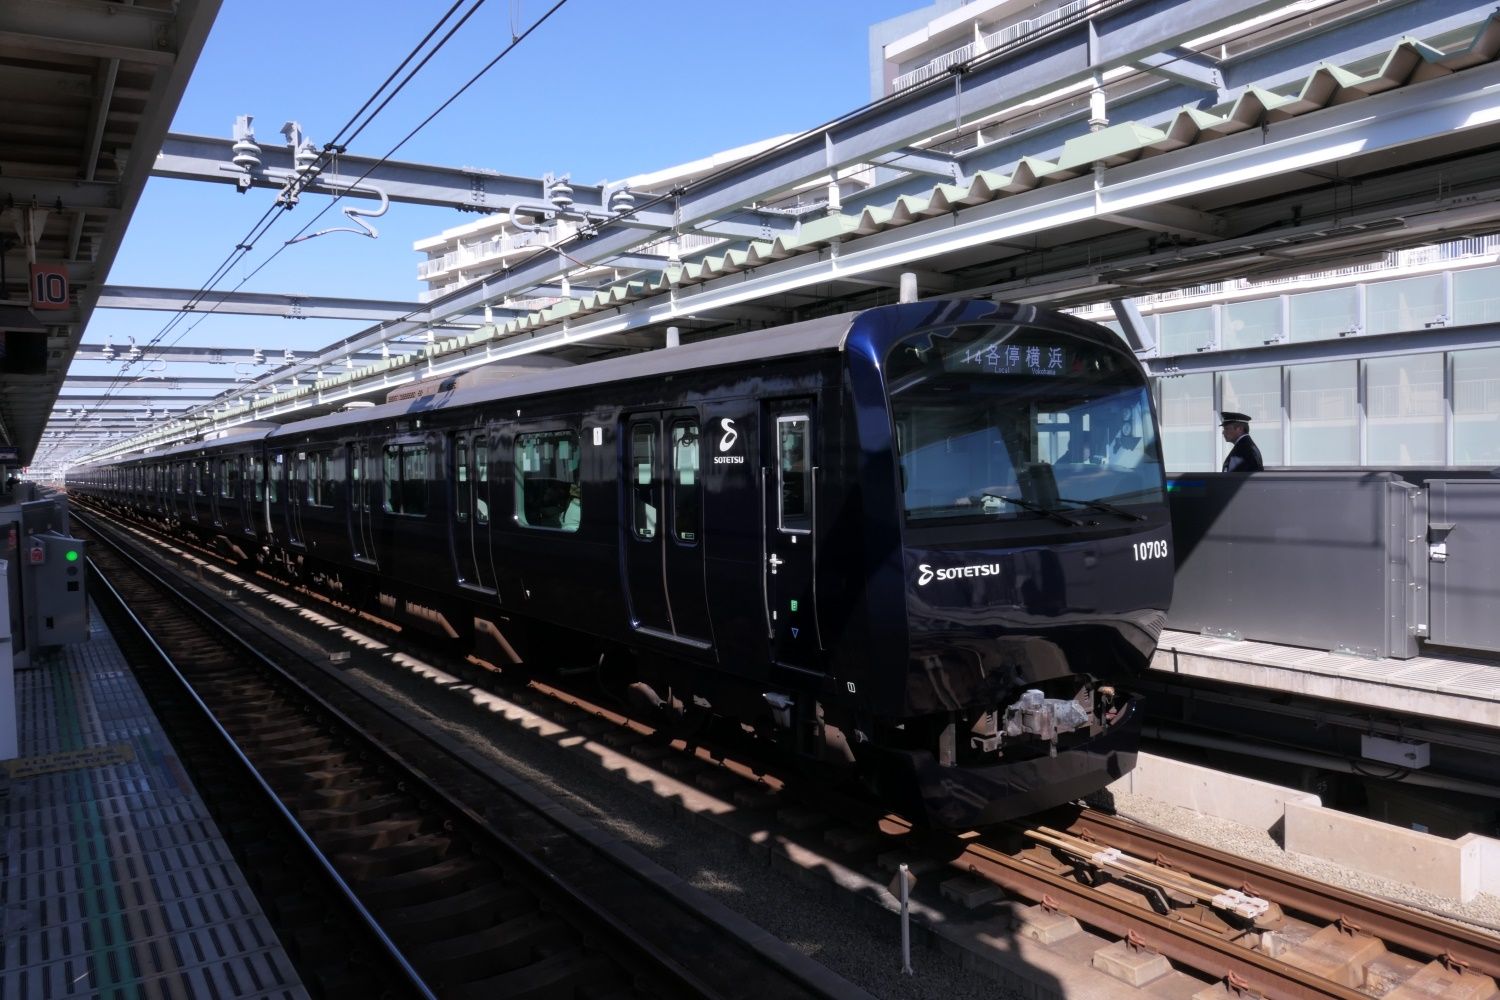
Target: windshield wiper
[[1107, 508], [1051, 512]]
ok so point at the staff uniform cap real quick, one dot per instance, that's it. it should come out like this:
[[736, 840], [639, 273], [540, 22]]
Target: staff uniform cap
[[1228, 417]]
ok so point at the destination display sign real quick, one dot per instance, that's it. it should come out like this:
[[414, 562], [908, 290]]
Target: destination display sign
[[1008, 358]]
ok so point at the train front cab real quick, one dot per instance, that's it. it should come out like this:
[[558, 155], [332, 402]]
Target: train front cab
[[1032, 573]]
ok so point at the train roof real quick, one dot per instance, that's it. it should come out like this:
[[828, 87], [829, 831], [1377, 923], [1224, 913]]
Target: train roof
[[808, 337]]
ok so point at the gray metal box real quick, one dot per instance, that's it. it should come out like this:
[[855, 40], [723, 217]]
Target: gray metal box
[[1326, 560], [56, 598], [1464, 537]]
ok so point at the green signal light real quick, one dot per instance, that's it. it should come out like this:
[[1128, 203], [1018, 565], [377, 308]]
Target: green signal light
[[72, 555]]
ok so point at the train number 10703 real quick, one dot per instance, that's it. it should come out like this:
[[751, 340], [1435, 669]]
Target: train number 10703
[[1150, 550]]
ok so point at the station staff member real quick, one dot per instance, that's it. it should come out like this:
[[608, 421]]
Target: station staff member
[[1243, 456]]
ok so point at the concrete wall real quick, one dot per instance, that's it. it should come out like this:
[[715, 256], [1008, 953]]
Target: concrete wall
[[1459, 869], [1256, 804]]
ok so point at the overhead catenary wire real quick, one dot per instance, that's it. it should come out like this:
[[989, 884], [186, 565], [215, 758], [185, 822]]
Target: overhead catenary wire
[[268, 219], [339, 196]]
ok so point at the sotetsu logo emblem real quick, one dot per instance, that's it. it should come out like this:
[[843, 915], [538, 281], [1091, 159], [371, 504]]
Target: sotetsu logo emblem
[[926, 574], [726, 442]]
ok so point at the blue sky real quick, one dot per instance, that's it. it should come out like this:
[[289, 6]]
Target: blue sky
[[603, 90]]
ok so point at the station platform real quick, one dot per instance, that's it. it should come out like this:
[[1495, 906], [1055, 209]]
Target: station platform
[[1463, 690], [115, 881]]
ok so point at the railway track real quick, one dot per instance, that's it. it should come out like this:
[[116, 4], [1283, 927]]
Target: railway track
[[468, 888], [1176, 918]]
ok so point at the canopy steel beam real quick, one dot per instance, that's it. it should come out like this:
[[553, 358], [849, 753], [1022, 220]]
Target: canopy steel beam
[[91, 28], [285, 305], [1069, 54], [1185, 67], [1376, 124], [152, 381], [201, 355], [98, 197], [468, 189]]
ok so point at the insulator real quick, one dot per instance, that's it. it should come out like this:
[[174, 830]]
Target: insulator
[[246, 155], [307, 161], [259, 357], [621, 202], [561, 195]]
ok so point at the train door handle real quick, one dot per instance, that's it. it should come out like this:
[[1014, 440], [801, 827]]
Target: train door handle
[[775, 561]]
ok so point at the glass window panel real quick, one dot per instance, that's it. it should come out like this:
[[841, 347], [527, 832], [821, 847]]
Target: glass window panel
[[1476, 407], [643, 484], [1255, 392], [1404, 304], [794, 469], [393, 479], [1324, 409], [686, 487], [1186, 332], [463, 491], [1333, 312], [1187, 423], [1476, 295], [547, 485], [1404, 410], [1252, 324], [481, 480], [414, 479]]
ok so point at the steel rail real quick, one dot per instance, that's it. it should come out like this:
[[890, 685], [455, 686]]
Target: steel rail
[[668, 966], [1420, 932], [1179, 940], [412, 979]]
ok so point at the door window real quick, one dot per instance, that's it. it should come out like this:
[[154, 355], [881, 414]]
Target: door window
[[462, 491], [686, 485], [643, 482], [794, 474]]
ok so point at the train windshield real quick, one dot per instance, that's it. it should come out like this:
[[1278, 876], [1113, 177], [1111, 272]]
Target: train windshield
[[1000, 421]]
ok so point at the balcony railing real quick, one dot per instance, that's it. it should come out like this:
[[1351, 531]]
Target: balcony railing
[[986, 43]]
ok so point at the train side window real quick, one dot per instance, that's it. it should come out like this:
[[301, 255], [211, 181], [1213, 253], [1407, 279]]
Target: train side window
[[794, 473], [273, 476], [462, 490], [229, 478], [258, 476], [482, 480], [642, 480], [406, 479], [333, 476], [548, 493], [362, 469], [686, 485]]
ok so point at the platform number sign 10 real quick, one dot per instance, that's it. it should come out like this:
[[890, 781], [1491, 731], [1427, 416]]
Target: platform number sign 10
[[49, 286]]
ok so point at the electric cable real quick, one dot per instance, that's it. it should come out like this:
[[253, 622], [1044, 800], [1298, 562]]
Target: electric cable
[[268, 219]]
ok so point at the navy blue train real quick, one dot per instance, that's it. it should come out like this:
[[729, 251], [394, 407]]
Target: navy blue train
[[928, 540]]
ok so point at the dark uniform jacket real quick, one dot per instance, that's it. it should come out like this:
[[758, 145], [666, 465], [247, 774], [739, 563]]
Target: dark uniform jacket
[[1243, 457]]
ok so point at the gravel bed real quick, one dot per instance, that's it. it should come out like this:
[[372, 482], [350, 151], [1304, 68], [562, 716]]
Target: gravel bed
[[1482, 912], [794, 911]]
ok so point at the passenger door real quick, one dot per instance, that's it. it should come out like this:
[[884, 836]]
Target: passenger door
[[363, 488], [297, 485], [662, 531], [789, 484], [470, 521]]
